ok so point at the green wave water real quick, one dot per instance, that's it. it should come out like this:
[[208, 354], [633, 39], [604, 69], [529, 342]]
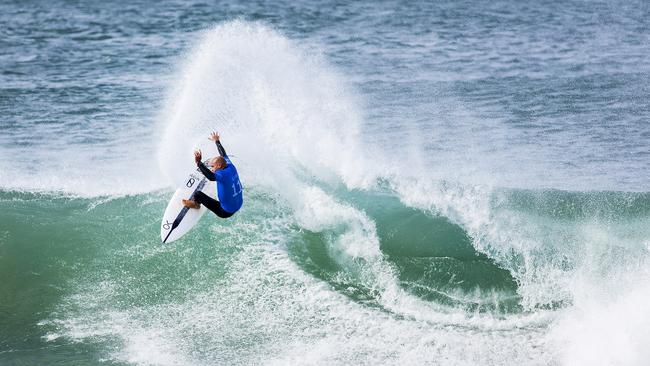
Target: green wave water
[[92, 270]]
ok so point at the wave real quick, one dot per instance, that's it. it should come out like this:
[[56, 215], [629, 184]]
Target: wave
[[442, 280], [297, 131], [350, 226]]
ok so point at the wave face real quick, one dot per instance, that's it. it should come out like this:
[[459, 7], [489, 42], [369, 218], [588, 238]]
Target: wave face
[[359, 242]]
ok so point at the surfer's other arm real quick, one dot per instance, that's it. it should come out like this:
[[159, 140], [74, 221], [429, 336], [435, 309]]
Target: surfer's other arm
[[215, 137], [209, 174]]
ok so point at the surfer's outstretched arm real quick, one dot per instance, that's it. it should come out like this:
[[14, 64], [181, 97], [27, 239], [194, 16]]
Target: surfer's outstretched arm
[[215, 137], [204, 169], [206, 172], [222, 151]]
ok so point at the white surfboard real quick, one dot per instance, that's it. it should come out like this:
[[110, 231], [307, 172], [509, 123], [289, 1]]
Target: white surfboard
[[178, 219]]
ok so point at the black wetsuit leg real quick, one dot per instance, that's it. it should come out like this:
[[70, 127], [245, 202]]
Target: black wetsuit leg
[[211, 204]]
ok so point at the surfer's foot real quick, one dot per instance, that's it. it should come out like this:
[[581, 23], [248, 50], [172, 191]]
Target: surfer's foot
[[191, 204]]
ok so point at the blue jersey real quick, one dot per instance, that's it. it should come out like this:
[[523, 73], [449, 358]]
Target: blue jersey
[[229, 188]]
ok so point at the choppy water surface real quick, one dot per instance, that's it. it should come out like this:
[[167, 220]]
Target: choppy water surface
[[450, 183]]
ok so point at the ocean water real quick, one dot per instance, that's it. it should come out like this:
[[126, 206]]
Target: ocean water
[[426, 183]]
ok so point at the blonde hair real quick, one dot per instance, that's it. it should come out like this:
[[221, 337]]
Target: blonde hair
[[218, 161]]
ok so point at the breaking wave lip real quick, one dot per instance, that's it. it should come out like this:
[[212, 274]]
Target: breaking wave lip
[[296, 129], [294, 124]]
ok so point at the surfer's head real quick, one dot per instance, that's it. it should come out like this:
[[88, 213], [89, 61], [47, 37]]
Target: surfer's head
[[218, 163]]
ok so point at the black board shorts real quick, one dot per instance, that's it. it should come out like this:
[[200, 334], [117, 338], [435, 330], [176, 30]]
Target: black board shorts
[[212, 205]]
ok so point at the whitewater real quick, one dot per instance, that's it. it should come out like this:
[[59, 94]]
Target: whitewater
[[408, 200]]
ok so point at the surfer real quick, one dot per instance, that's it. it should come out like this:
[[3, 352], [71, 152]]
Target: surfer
[[229, 188]]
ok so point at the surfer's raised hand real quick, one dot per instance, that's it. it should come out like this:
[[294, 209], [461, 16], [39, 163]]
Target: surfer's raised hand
[[214, 136], [197, 156]]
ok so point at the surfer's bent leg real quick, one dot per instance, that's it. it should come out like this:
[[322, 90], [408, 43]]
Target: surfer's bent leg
[[211, 204]]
